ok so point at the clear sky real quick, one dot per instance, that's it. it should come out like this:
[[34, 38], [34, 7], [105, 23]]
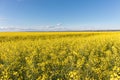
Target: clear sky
[[73, 14]]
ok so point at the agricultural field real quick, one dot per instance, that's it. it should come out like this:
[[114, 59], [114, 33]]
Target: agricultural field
[[60, 56]]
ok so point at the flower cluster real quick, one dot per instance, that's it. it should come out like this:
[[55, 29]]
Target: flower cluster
[[60, 56]]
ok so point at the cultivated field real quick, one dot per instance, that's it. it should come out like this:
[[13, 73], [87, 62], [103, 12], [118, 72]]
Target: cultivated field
[[60, 56]]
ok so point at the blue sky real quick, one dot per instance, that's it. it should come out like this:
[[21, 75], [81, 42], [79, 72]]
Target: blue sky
[[71, 14]]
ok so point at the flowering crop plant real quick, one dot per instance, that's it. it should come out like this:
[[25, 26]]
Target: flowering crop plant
[[60, 56]]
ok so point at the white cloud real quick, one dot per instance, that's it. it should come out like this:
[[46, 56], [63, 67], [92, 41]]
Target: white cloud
[[3, 19], [59, 24], [57, 27]]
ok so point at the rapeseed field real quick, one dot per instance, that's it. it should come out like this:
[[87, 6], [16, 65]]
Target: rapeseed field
[[60, 56]]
